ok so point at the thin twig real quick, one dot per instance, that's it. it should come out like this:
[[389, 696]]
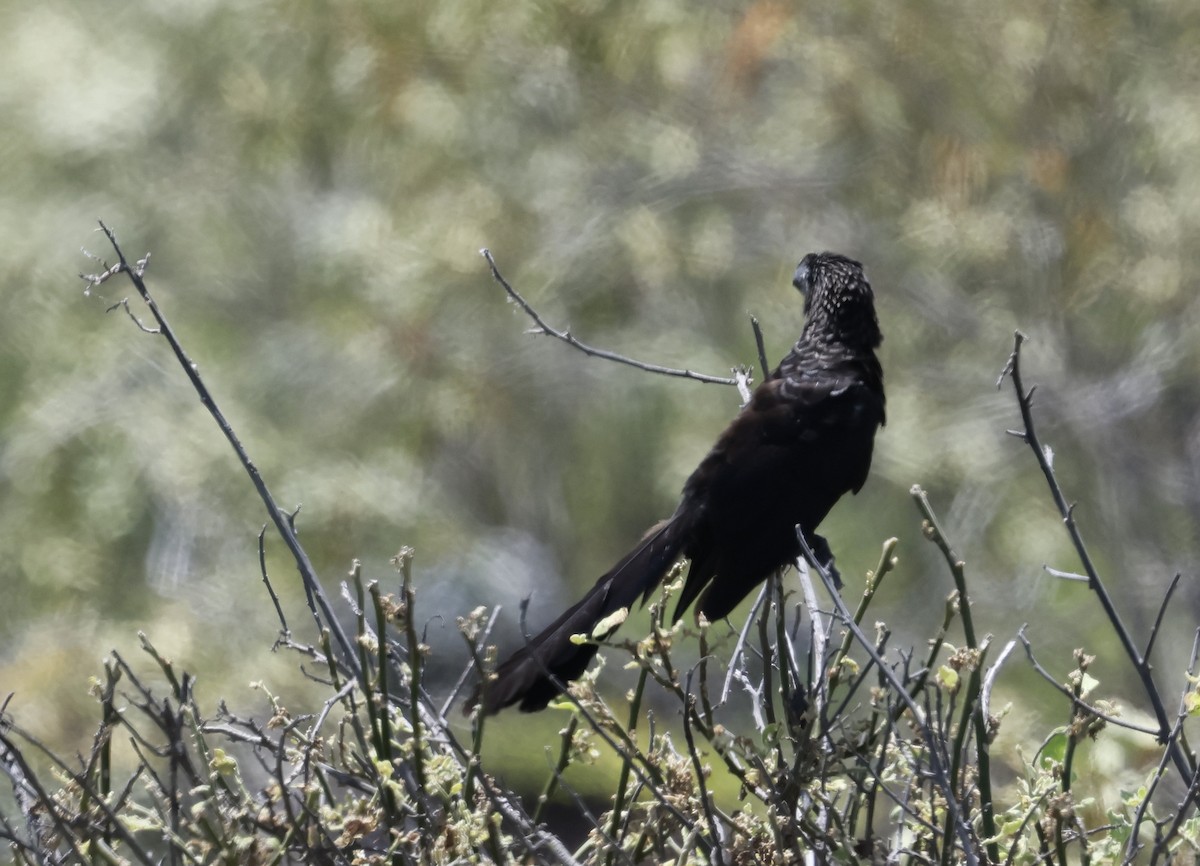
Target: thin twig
[[567, 737], [989, 679], [124, 302], [284, 631], [982, 758], [819, 648], [1184, 762], [622, 791], [716, 852], [132, 844], [920, 718], [1139, 815], [569, 338], [761, 347], [616, 737], [474, 662], [737, 657], [1076, 701], [1162, 611], [278, 517], [743, 380]]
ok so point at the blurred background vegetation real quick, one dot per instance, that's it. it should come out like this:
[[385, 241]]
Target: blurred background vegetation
[[315, 181]]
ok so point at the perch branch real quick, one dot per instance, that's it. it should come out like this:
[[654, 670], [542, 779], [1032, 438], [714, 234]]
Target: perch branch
[[569, 338]]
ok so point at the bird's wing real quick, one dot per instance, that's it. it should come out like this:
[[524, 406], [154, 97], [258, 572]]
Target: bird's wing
[[792, 422], [798, 446]]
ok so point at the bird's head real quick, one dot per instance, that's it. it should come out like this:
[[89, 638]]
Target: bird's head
[[838, 301]]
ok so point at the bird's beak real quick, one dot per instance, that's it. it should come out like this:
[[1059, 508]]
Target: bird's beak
[[800, 280]]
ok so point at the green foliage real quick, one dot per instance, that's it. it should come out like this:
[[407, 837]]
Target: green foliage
[[377, 773], [835, 748], [315, 180]]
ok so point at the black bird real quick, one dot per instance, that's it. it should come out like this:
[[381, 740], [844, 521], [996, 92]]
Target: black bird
[[804, 439]]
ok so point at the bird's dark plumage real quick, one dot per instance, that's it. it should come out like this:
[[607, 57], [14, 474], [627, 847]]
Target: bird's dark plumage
[[804, 439]]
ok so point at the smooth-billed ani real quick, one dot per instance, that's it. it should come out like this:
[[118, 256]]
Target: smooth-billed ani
[[804, 439]]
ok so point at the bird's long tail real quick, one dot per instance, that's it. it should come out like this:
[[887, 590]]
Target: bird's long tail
[[529, 675]]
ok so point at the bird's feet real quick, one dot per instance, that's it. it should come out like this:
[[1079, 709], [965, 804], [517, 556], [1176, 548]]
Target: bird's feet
[[824, 557]]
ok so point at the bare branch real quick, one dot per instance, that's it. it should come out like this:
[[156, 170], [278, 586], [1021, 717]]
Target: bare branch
[[124, 302], [1076, 701], [920, 718], [1184, 762], [1162, 611], [281, 520], [989, 679], [569, 338], [1065, 575]]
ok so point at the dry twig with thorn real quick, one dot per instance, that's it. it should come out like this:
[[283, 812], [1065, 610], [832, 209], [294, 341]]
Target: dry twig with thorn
[[740, 379]]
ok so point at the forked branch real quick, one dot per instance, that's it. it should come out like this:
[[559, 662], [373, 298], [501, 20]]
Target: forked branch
[[1184, 762], [312, 586]]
